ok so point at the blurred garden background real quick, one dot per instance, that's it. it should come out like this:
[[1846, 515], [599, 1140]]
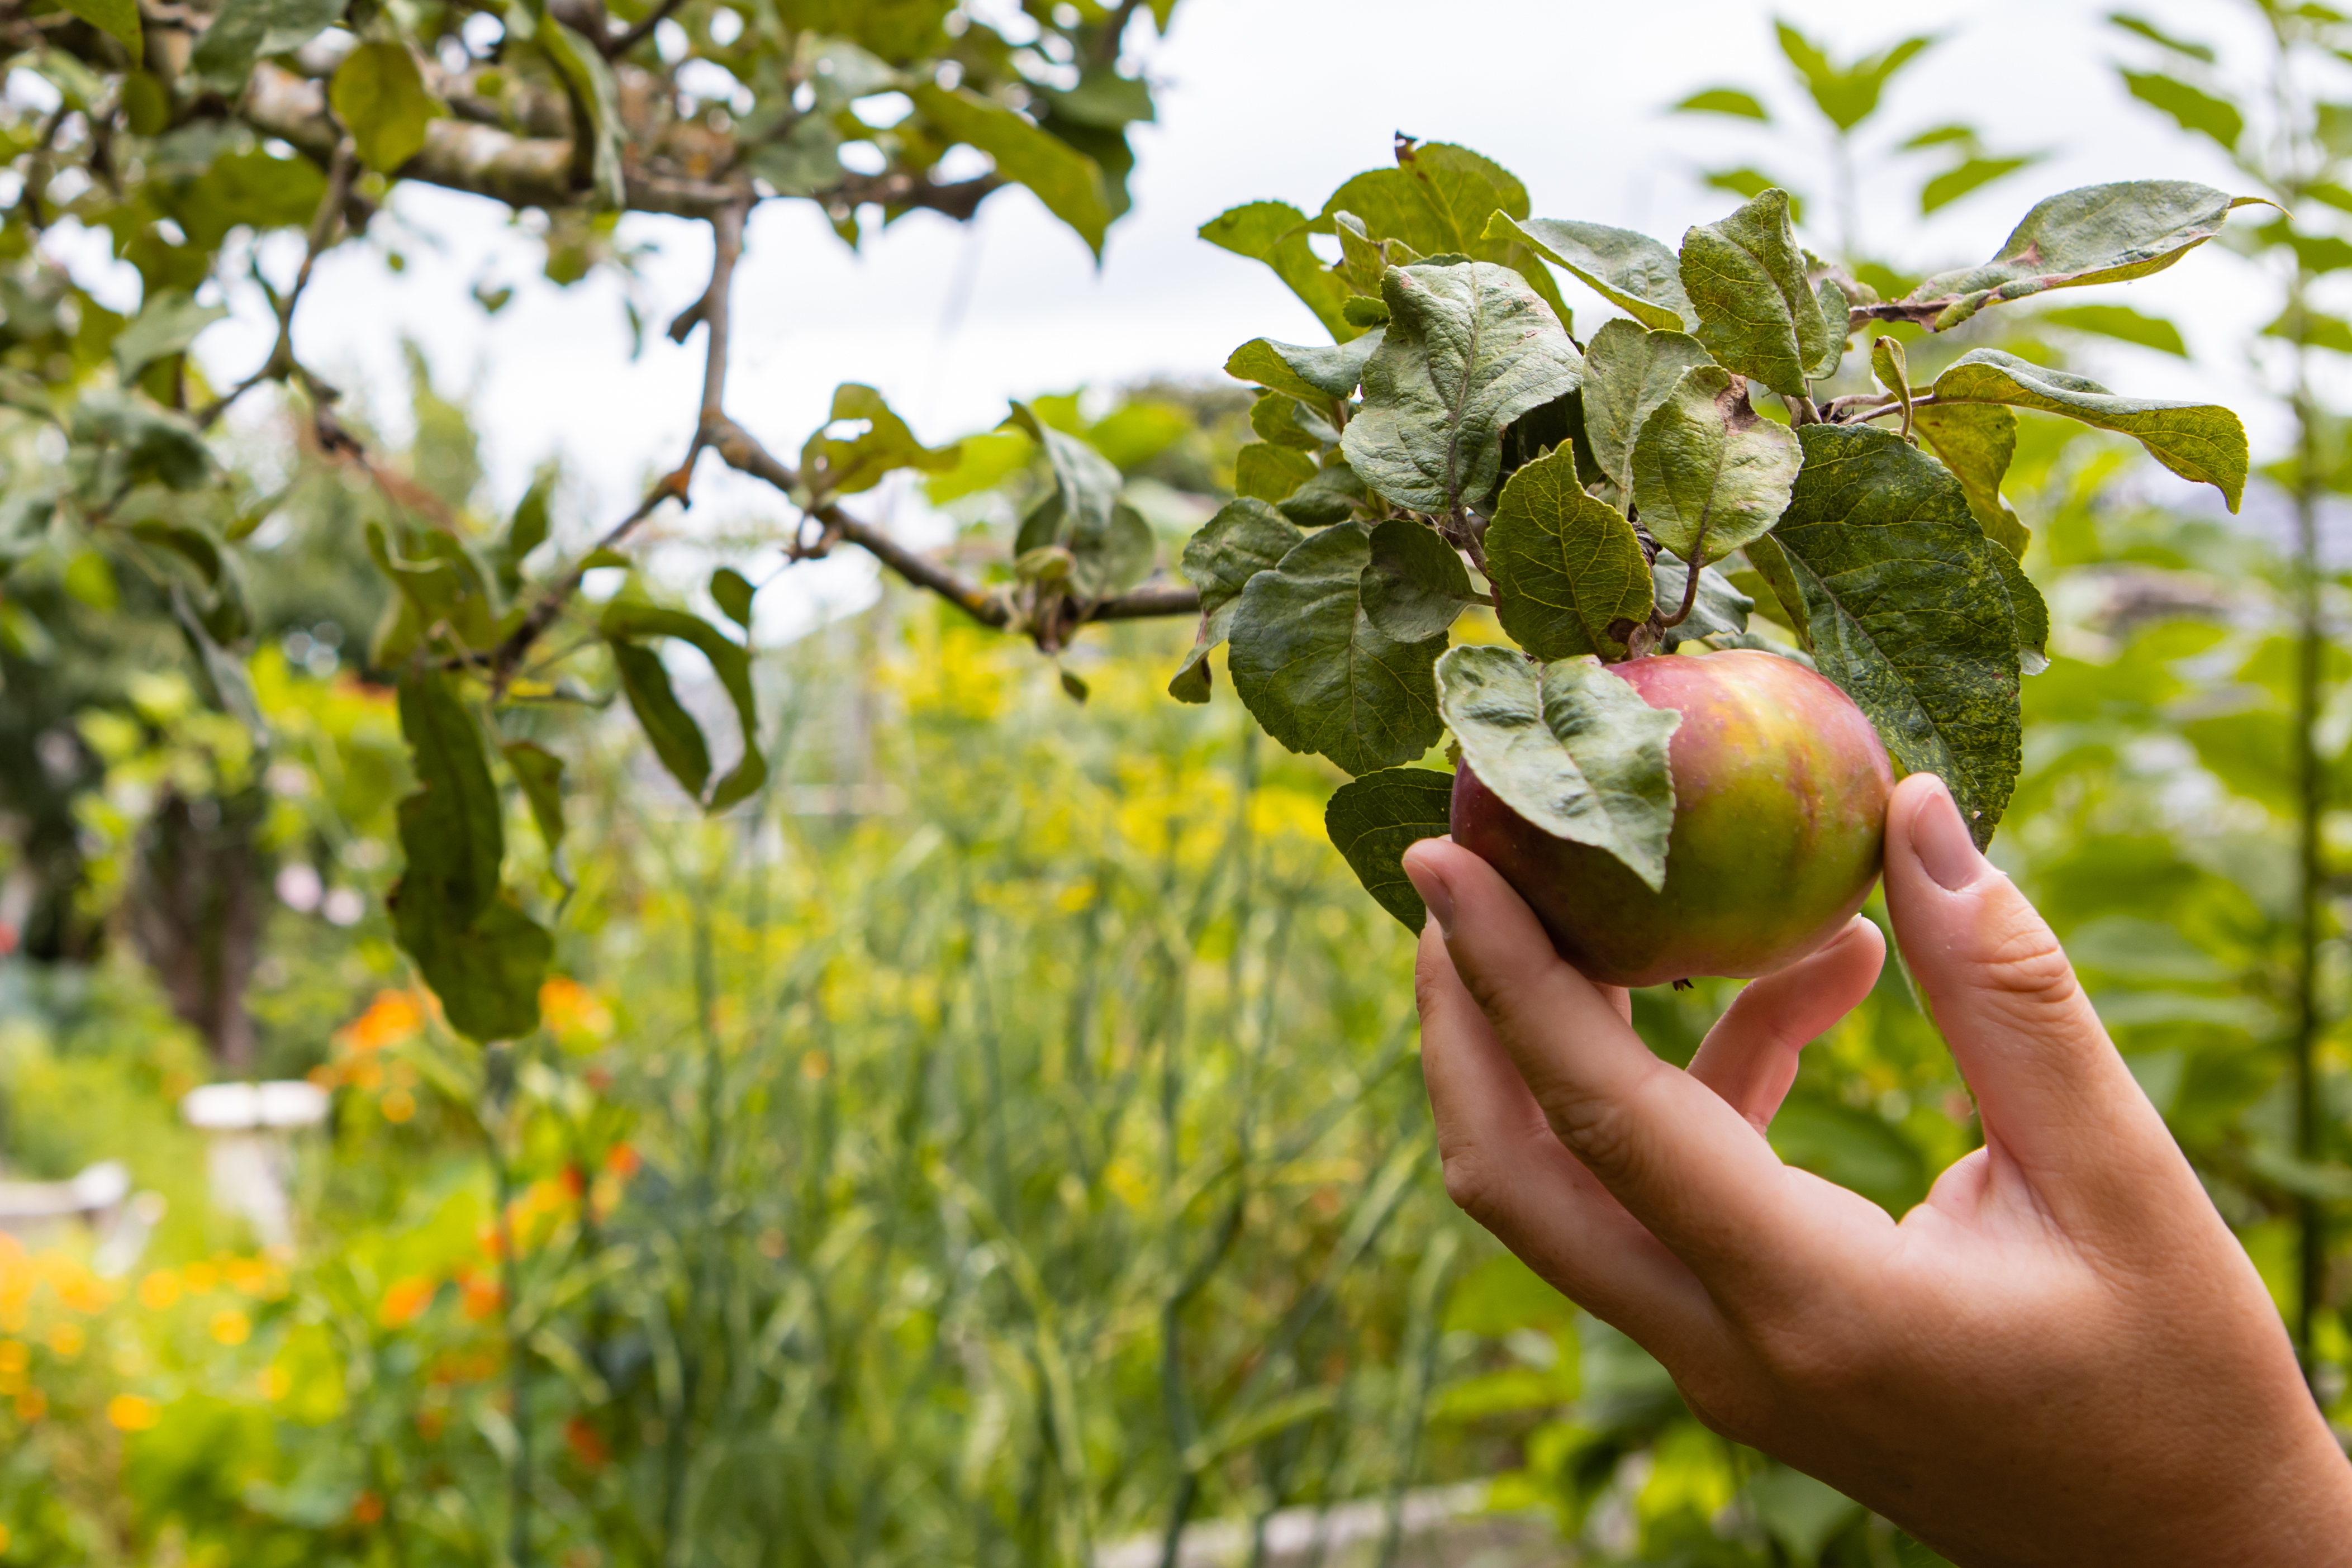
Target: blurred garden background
[[995, 1134]]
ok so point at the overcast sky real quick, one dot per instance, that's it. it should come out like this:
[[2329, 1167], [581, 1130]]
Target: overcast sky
[[1258, 98]]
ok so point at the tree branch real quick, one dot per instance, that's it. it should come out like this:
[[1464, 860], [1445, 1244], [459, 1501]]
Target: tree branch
[[615, 47], [281, 362]]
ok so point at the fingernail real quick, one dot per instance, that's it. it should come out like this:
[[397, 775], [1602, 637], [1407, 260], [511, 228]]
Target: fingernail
[[1941, 841], [1434, 893]]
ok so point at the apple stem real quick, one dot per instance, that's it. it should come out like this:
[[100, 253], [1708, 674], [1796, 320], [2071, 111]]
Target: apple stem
[[1691, 569]]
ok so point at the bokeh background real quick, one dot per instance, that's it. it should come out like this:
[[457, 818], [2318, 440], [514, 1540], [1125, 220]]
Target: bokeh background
[[999, 1141]]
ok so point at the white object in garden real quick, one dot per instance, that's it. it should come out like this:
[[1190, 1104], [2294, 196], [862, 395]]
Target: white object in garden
[[249, 1147]]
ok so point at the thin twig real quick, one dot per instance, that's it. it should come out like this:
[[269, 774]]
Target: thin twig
[[616, 47], [281, 362]]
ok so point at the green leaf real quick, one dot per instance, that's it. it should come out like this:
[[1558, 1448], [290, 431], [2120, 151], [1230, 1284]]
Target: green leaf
[[1835, 315], [626, 620], [242, 31], [1275, 233], [1977, 441], [1893, 368], [1246, 537], [1907, 610], [1968, 174], [1722, 101], [1628, 373], [595, 98], [526, 531], [1315, 671], [2314, 252], [2202, 442], [378, 95], [1757, 314], [1469, 349], [2032, 614], [1069, 183], [1847, 94], [2312, 328], [119, 17], [540, 774], [1373, 820], [2157, 35], [677, 739], [442, 592], [1109, 543], [1750, 183], [1415, 586], [1709, 473], [731, 591], [982, 462], [2123, 323], [2191, 109], [1566, 567], [833, 466], [1567, 746], [1631, 271], [1331, 495], [1311, 373], [1771, 564], [1284, 420], [168, 322], [1720, 609], [1265, 472], [479, 953], [1437, 200], [2099, 234]]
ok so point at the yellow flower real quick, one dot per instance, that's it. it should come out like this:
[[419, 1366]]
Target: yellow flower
[[32, 1404], [159, 1291], [14, 1355], [129, 1413], [232, 1327], [67, 1339], [399, 1105]]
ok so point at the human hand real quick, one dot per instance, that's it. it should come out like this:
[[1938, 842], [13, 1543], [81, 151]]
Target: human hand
[[2062, 1356]]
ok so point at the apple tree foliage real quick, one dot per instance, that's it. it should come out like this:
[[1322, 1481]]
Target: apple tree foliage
[[219, 144], [1653, 485]]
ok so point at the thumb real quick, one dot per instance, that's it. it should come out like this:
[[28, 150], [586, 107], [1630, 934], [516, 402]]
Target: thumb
[[2055, 1094]]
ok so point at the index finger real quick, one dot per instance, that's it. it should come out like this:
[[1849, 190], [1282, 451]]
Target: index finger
[[1678, 1157]]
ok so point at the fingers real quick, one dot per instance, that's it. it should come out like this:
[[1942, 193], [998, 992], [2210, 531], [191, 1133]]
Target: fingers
[[2053, 1093], [1508, 1171], [1750, 1058], [1679, 1159]]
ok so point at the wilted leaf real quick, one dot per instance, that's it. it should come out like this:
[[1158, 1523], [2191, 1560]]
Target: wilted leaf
[[378, 95], [1469, 349], [1757, 314], [1977, 441], [1246, 537], [1315, 671], [1568, 746], [2099, 234], [1069, 183], [1565, 566], [1628, 373], [1907, 610], [1631, 271], [1373, 820], [831, 466], [1709, 472], [2202, 442], [623, 624], [1275, 234]]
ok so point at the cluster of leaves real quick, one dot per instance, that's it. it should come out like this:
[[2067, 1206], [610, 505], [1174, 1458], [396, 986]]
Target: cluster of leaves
[[1599, 488], [193, 136]]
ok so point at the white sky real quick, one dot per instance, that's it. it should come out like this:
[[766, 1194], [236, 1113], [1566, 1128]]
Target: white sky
[[1259, 98]]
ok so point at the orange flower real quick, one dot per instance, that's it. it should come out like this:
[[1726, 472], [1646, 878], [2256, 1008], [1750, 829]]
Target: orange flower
[[366, 1508], [482, 1296], [392, 1017], [406, 1301], [129, 1413], [586, 1445], [32, 1404], [568, 1007], [622, 1162]]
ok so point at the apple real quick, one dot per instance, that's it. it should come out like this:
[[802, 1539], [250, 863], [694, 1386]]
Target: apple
[[1781, 787]]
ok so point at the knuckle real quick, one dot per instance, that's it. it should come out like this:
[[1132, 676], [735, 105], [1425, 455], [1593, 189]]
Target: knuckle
[[1469, 1183], [2020, 963], [1600, 1132], [1728, 1405]]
